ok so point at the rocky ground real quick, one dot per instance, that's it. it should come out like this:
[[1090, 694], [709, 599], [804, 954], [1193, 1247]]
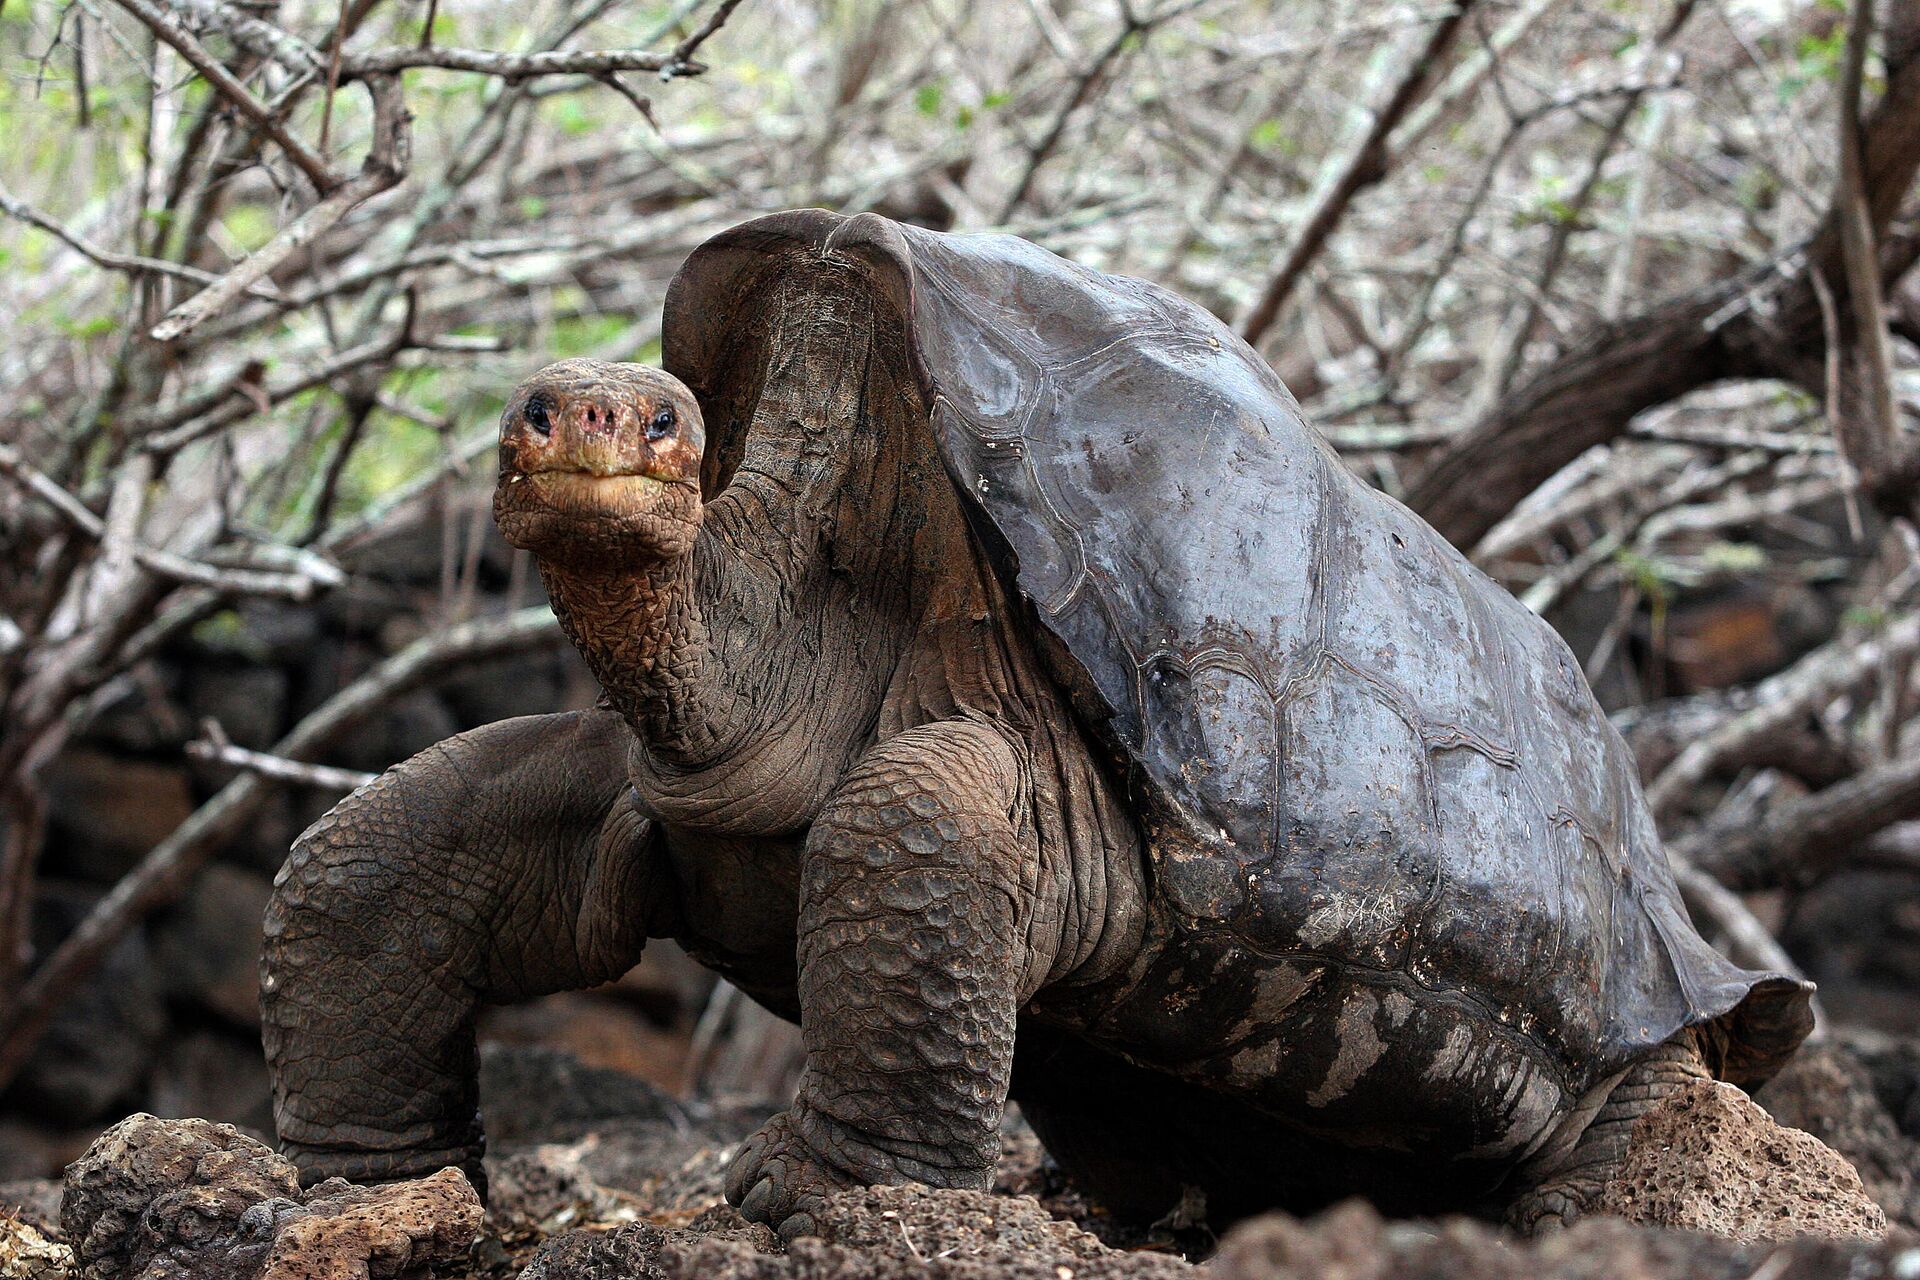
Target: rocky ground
[[599, 1176]]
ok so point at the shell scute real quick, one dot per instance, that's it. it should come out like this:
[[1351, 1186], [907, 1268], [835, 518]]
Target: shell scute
[[1356, 858]]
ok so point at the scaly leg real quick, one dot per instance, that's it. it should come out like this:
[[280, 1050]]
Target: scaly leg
[[1568, 1184], [916, 890], [500, 865]]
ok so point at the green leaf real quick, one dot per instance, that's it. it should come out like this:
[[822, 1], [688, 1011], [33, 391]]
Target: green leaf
[[1735, 557], [571, 115], [96, 327], [926, 100], [249, 224], [1654, 578]]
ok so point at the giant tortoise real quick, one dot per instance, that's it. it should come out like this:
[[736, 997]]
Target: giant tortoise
[[1005, 682]]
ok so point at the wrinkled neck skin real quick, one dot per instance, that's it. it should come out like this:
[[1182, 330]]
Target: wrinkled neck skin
[[643, 631], [753, 669]]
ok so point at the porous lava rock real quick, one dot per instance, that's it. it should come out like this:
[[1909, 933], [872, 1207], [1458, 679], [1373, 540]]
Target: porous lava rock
[[189, 1199], [150, 1193], [1353, 1242], [1710, 1159], [1827, 1091], [346, 1232]]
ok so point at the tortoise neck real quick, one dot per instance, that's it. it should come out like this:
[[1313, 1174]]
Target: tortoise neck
[[643, 631]]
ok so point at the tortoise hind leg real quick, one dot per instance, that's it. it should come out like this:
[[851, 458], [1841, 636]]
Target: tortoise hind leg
[[1141, 1142], [1564, 1184]]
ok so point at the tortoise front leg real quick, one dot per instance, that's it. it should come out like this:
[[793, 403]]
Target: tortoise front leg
[[916, 892], [500, 865]]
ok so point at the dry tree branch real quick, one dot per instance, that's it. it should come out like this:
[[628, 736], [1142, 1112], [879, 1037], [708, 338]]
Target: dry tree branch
[[684, 51], [241, 581], [166, 26], [132, 263], [1092, 78], [1762, 323], [1363, 165], [385, 165], [1797, 842], [170, 865], [1779, 702], [214, 748], [513, 66], [597, 63], [1868, 430], [169, 428]]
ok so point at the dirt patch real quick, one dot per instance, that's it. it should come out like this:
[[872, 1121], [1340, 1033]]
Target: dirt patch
[[1710, 1159], [881, 1233]]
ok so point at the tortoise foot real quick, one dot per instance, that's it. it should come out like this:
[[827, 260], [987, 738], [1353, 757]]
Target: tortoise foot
[[1550, 1210], [780, 1179]]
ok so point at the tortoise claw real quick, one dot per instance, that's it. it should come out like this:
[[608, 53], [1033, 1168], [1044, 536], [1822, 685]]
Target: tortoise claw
[[776, 1178], [1548, 1211]]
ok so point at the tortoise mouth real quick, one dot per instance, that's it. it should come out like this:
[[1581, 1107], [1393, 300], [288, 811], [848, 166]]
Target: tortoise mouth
[[564, 513], [584, 481], [596, 494]]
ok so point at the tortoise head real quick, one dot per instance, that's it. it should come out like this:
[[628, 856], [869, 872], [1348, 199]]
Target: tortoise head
[[600, 462]]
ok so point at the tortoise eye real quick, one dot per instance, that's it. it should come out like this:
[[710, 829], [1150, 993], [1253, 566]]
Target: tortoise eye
[[536, 415], [662, 423]]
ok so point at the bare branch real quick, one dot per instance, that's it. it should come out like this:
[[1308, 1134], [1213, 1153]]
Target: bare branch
[[1763, 323], [1798, 841], [166, 26], [217, 750], [511, 66], [1782, 700], [684, 51], [262, 39], [1363, 165], [1866, 422], [169, 867], [129, 262], [316, 572], [597, 63], [384, 167]]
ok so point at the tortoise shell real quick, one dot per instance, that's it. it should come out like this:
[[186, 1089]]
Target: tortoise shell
[[1344, 741]]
